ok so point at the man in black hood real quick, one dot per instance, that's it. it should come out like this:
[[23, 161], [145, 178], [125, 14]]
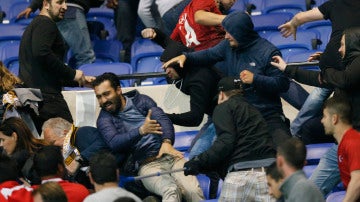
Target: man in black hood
[[246, 54]]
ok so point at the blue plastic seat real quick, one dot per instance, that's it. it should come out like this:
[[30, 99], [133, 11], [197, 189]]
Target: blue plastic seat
[[276, 6], [204, 182], [336, 196], [302, 57], [107, 50], [268, 23], [306, 38], [183, 139], [239, 5], [323, 27], [6, 5], [309, 169], [142, 49], [258, 6], [106, 16], [316, 151], [96, 69], [9, 54], [16, 8], [11, 32]]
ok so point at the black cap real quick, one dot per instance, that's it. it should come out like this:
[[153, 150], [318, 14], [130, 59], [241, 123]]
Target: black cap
[[229, 83]]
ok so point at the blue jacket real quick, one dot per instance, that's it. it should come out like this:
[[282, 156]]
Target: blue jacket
[[254, 54], [123, 141]]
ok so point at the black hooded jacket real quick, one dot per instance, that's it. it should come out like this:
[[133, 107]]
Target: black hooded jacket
[[198, 82], [346, 82], [253, 54]]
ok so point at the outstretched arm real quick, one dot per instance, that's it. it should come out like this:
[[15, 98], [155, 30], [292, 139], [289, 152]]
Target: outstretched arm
[[208, 18], [290, 27]]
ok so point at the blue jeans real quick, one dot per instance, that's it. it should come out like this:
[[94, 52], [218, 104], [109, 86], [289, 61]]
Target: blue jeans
[[310, 108], [76, 35], [204, 139], [327, 175], [171, 17]]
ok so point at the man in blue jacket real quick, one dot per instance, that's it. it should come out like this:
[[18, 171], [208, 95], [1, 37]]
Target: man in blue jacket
[[246, 54], [131, 123]]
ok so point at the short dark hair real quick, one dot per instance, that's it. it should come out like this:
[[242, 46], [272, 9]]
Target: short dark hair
[[8, 167], [274, 172], [103, 167], [294, 152], [47, 160], [108, 76], [124, 199], [339, 106]]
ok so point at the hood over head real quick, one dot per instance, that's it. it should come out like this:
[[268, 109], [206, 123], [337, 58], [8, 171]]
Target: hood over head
[[352, 44], [240, 26]]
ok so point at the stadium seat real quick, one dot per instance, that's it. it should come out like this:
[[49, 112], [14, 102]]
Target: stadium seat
[[316, 151], [239, 5], [96, 69], [106, 16], [6, 5], [323, 27], [183, 139], [306, 40], [107, 50], [144, 50], [309, 169], [268, 23], [9, 54], [11, 32], [276, 6], [16, 8], [258, 6], [336, 196], [302, 57], [204, 182]]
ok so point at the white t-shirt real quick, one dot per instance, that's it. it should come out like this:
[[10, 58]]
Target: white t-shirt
[[111, 194]]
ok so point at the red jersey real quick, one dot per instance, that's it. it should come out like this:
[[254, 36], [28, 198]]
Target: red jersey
[[74, 192], [194, 35], [349, 155]]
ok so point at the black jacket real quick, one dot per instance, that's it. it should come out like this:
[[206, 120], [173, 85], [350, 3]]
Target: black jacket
[[242, 135], [346, 82]]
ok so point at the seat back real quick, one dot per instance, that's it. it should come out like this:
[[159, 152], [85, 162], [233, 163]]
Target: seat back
[[323, 27], [302, 57], [276, 6], [16, 8], [11, 32], [316, 151], [144, 48], [107, 50], [306, 38], [183, 140], [106, 16], [336, 196], [266, 24]]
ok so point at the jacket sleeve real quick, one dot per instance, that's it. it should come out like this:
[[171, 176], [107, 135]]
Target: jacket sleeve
[[159, 115], [209, 56], [307, 77], [118, 142], [200, 95], [273, 81], [223, 146], [41, 50], [144, 12], [346, 79], [161, 38]]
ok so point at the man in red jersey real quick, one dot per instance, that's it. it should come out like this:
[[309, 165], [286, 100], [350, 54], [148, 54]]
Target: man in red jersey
[[337, 122]]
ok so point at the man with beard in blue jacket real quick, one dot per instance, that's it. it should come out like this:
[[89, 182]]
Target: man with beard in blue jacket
[[246, 54], [132, 125]]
